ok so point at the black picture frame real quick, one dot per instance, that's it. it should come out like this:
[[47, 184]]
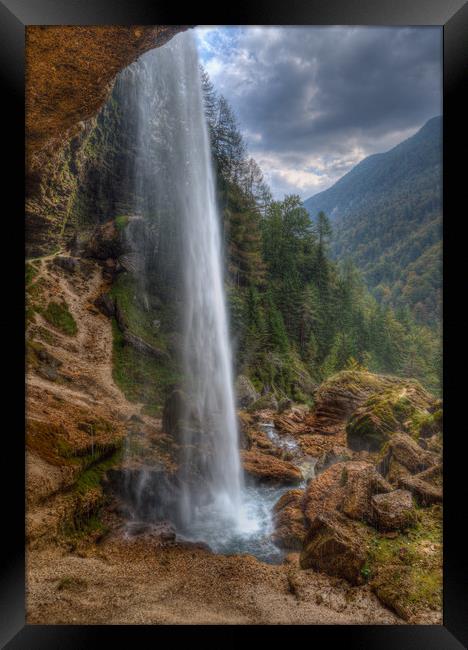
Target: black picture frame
[[14, 16]]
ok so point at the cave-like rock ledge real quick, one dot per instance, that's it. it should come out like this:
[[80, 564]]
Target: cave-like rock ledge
[[70, 71]]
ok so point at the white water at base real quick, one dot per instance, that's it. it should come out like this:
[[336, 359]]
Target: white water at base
[[252, 536]]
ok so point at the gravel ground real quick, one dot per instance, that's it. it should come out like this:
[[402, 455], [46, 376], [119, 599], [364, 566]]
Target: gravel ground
[[139, 582]]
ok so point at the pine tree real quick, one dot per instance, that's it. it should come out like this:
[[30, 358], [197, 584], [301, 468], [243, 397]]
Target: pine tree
[[210, 102], [275, 328]]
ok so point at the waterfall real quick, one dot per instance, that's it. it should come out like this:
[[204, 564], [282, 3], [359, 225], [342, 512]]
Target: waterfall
[[174, 192], [210, 433]]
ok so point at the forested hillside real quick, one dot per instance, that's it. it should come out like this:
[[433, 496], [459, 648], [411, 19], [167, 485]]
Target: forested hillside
[[387, 217], [297, 314]]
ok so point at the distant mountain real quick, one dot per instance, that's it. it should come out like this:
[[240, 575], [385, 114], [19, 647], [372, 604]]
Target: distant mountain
[[387, 216]]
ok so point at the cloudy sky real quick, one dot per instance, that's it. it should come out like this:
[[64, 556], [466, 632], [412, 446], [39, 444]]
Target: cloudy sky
[[313, 101]]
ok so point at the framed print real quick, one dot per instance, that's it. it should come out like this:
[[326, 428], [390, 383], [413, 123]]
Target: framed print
[[239, 262]]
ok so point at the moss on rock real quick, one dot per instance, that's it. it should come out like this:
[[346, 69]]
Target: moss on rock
[[121, 222], [58, 315], [141, 378], [394, 409], [405, 571]]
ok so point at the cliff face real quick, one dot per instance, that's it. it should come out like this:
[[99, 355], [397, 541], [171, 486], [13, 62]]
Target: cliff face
[[69, 74]]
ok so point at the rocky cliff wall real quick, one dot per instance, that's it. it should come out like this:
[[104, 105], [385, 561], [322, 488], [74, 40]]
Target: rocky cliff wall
[[69, 74]]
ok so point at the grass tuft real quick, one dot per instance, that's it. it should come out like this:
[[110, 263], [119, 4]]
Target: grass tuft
[[121, 222], [58, 315]]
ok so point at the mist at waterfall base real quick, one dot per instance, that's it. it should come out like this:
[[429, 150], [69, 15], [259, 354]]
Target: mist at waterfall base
[[180, 245]]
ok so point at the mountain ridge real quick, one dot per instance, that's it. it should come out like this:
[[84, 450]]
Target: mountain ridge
[[387, 217]]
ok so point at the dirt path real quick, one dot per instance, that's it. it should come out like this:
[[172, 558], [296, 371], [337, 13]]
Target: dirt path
[[86, 357]]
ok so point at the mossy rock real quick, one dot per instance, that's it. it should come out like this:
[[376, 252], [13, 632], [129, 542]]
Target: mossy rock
[[141, 377], [84, 501], [49, 441], [341, 394], [336, 546], [121, 222], [139, 318], [265, 402], [357, 383], [426, 425], [395, 409], [52, 443], [405, 571]]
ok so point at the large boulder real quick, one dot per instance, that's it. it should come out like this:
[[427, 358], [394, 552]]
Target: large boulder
[[426, 487], [335, 546], [336, 454], [288, 520], [175, 413], [245, 391], [398, 408], [346, 487], [265, 468], [393, 510], [256, 439], [341, 394], [293, 422], [360, 487], [404, 452]]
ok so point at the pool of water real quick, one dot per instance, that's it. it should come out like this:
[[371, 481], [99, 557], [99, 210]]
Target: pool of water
[[251, 532]]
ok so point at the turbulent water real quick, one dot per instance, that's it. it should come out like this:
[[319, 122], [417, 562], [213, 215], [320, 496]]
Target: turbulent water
[[175, 238]]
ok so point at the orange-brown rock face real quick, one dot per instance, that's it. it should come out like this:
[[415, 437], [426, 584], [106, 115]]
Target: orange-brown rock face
[[290, 525], [70, 70], [268, 469], [336, 546], [69, 75]]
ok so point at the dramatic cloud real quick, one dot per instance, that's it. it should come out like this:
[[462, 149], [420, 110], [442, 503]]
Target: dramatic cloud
[[314, 101]]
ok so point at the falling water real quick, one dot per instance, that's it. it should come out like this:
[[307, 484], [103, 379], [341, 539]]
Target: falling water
[[173, 181], [210, 433]]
